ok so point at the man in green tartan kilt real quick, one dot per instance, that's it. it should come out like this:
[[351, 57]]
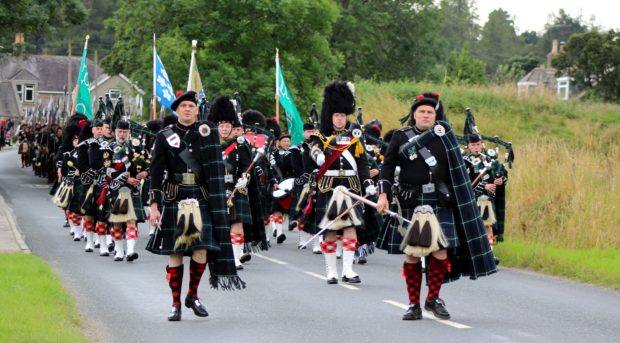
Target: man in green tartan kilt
[[432, 190], [237, 159], [126, 205], [188, 202]]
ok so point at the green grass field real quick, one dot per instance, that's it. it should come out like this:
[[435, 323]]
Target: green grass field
[[34, 304], [563, 193]]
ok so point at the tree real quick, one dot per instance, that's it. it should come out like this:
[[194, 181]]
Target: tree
[[561, 27], [458, 24], [463, 68], [516, 68], [236, 45], [499, 42], [387, 40], [29, 16], [592, 59]]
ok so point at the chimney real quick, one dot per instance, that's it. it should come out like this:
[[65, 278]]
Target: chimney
[[552, 53], [19, 38]]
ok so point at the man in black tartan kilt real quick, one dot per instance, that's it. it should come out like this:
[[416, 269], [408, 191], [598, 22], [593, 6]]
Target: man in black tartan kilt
[[190, 202], [434, 190], [237, 159], [339, 153], [126, 204]]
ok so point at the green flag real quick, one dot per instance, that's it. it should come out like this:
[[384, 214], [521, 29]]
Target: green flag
[[82, 103], [293, 120]]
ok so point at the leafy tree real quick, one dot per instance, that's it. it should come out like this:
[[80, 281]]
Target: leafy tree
[[499, 42], [387, 40], [463, 68], [236, 49], [29, 16], [516, 68], [592, 59], [561, 27], [458, 24]]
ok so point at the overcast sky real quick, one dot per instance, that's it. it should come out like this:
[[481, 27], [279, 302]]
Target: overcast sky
[[532, 15]]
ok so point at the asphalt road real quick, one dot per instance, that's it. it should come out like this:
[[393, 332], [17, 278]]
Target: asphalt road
[[287, 301]]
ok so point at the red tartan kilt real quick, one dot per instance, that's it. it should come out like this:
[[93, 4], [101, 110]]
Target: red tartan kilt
[[285, 202]]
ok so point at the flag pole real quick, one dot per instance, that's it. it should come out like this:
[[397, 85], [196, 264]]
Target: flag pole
[[191, 65], [154, 113], [77, 84], [277, 89]]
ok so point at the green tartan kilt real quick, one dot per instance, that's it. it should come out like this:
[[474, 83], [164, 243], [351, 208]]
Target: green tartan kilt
[[74, 204], [373, 221], [242, 210], [266, 200], [295, 194], [390, 239], [162, 242], [90, 209]]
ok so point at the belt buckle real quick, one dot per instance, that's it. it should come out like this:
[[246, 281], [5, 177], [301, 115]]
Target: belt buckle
[[188, 178], [228, 178], [341, 172], [428, 188]]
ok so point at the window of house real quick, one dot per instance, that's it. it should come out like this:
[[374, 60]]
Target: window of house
[[20, 94], [28, 93], [114, 93]]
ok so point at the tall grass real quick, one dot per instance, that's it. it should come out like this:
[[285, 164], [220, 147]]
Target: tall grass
[[563, 189]]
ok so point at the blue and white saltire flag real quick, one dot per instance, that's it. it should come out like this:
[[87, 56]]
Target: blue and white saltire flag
[[163, 87]]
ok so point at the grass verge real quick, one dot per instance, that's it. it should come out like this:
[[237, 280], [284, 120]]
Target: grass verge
[[35, 305], [592, 265]]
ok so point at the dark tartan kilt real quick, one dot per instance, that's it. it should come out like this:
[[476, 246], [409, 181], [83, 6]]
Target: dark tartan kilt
[[162, 242], [88, 210], [102, 212], [390, 239], [242, 211], [295, 194], [74, 204], [372, 224], [136, 200]]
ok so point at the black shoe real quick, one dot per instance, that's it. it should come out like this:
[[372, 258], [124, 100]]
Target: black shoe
[[245, 258], [175, 313], [132, 257], [97, 246], [414, 312], [281, 238], [111, 247], [118, 258], [355, 279], [71, 233], [105, 253], [275, 234], [239, 267], [317, 252], [496, 259], [88, 250], [292, 225], [77, 239], [300, 247], [362, 260], [332, 281], [196, 306], [438, 307], [66, 224]]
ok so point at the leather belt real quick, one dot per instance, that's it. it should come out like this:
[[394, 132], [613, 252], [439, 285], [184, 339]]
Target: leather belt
[[348, 172]]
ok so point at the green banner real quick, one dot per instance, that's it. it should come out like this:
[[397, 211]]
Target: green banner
[[293, 120], [83, 103]]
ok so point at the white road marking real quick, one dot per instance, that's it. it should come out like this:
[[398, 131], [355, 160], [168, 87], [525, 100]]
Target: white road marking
[[318, 276], [270, 259], [429, 315]]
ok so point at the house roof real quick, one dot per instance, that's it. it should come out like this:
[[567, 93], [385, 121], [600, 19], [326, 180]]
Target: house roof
[[50, 71], [8, 100], [539, 75]]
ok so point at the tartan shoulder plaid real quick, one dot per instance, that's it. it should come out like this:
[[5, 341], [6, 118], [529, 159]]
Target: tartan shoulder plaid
[[222, 266], [473, 257]]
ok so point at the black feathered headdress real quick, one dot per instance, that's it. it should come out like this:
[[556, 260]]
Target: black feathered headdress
[[222, 109], [337, 98]]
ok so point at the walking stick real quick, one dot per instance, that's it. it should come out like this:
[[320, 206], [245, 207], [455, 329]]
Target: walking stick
[[333, 221], [370, 203]]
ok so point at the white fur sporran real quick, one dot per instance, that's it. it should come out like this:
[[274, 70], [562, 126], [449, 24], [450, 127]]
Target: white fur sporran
[[424, 235]]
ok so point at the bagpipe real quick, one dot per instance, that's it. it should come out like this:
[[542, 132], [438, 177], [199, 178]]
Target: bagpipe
[[470, 127]]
